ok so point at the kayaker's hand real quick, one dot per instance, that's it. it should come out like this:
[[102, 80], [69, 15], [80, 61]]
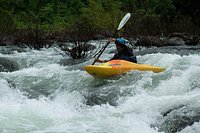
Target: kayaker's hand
[[112, 39], [98, 60]]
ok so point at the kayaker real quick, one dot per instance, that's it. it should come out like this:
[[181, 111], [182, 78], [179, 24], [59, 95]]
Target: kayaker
[[124, 52]]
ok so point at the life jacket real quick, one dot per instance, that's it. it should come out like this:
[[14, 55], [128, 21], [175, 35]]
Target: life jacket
[[123, 57], [124, 44]]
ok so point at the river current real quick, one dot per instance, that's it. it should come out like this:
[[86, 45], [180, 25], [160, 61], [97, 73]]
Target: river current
[[44, 91]]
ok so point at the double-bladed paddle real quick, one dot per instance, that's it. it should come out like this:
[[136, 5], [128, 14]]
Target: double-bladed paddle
[[121, 24]]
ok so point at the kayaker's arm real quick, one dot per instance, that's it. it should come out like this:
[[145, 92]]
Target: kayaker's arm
[[100, 61], [112, 39]]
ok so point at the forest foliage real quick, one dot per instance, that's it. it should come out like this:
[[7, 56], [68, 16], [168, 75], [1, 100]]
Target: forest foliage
[[39, 19]]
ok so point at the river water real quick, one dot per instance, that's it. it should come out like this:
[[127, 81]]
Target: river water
[[46, 92]]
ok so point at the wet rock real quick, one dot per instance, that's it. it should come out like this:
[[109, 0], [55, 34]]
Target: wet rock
[[11, 49], [175, 41], [193, 41], [7, 65], [7, 40], [179, 118], [188, 38], [150, 41]]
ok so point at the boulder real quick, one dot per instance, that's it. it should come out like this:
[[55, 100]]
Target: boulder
[[175, 41]]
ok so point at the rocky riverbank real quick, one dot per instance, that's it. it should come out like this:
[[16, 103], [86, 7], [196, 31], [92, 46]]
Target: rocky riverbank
[[32, 40], [174, 39]]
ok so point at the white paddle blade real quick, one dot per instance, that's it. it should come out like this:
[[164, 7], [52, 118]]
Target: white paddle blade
[[124, 20]]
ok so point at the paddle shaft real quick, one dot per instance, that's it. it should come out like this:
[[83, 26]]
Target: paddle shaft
[[104, 48]]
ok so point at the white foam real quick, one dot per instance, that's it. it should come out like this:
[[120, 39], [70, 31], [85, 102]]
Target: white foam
[[149, 95]]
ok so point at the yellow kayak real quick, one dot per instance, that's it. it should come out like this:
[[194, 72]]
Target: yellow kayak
[[116, 67]]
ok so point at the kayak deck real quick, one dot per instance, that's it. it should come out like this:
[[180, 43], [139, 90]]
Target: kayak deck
[[116, 67]]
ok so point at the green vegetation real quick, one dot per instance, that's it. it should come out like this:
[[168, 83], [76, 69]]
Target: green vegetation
[[35, 20]]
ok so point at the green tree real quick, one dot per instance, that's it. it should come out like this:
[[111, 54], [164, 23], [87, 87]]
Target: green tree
[[7, 25], [102, 14]]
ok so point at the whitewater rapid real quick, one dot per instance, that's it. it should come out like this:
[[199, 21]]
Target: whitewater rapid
[[49, 93]]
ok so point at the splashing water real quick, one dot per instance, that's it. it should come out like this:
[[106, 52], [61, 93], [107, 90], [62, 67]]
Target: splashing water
[[46, 96]]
